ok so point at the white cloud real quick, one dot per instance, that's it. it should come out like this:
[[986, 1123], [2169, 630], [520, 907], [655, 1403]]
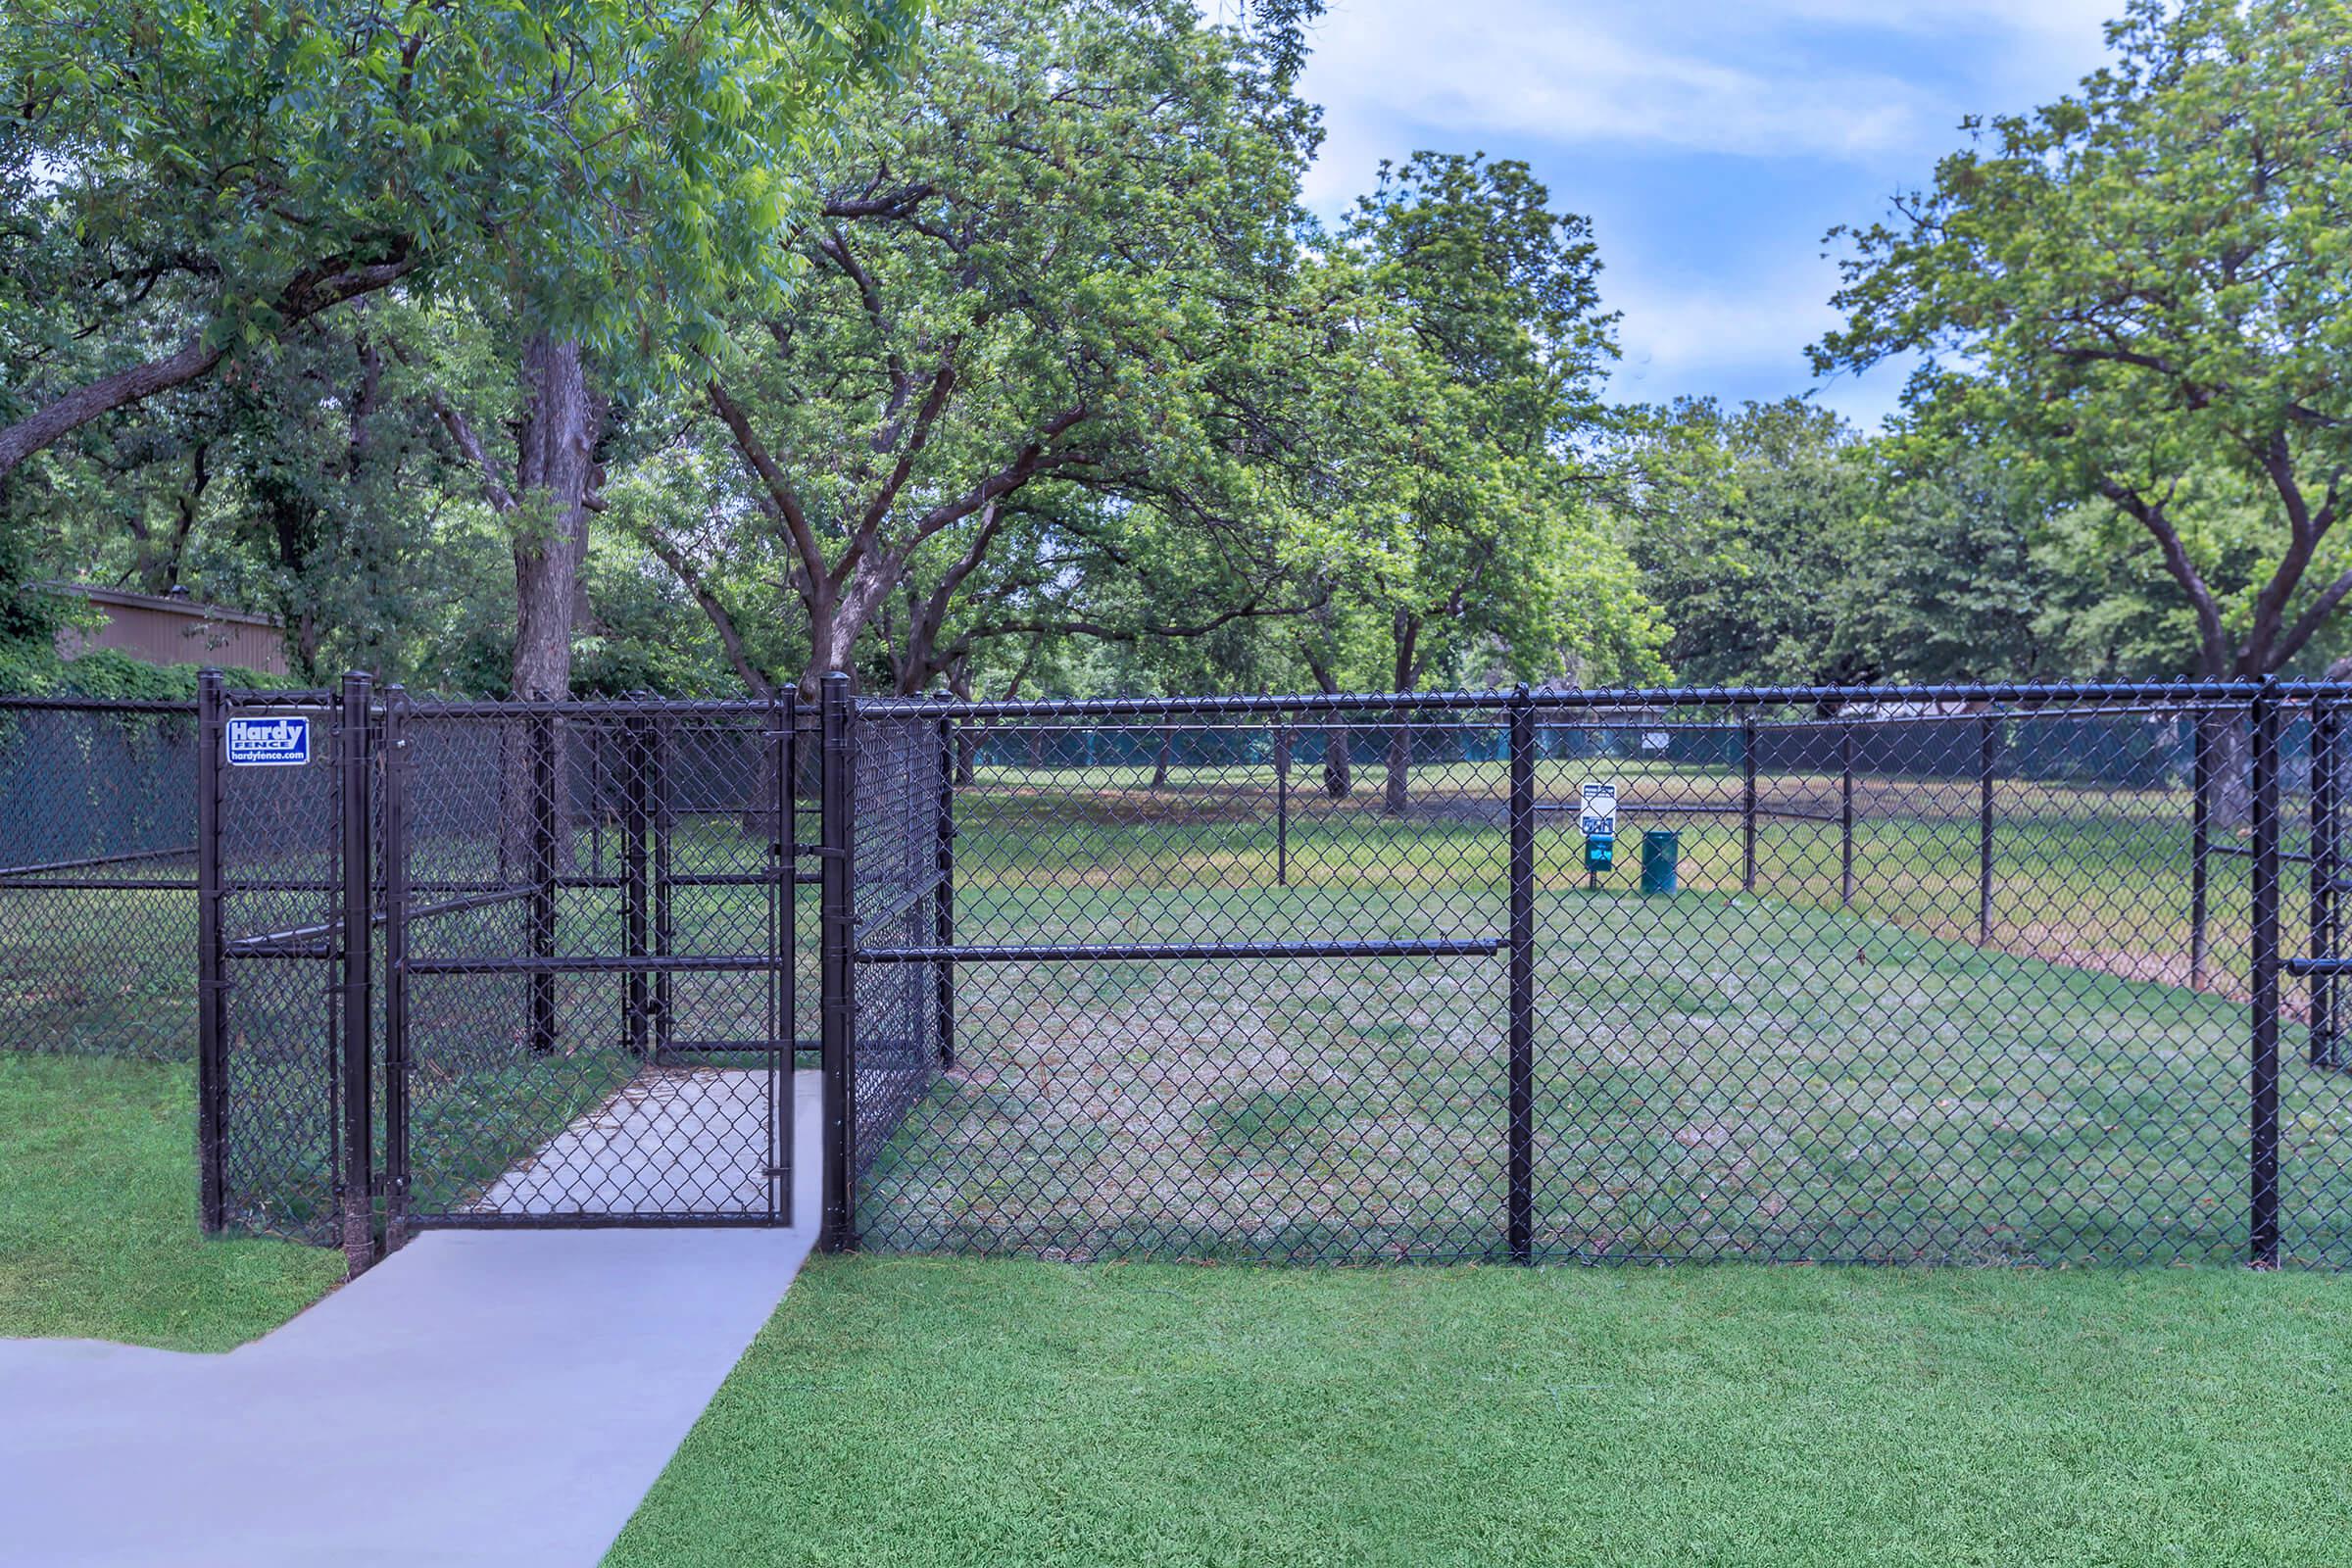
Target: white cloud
[[1571, 74], [1873, 87], [1745, 78]]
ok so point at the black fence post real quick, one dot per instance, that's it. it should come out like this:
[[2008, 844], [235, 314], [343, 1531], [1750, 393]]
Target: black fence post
[[1846, 813], [663, 806], [943, 911], [1747, 803], [543, 881], [1521, 1132], [2263, 1238], [394, 849], [636, 914], [212, 996], [2200, 837], [835, 971], [1988, 741], [783, 868], [2325, 870], [354, 730]]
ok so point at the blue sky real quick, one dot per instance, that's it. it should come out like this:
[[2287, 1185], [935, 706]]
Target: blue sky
[[1711, 142]]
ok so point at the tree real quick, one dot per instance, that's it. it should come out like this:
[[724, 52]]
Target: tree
[[1763, 535], [2140, 288], [1049, 286], [223, 174], [1472, 531]]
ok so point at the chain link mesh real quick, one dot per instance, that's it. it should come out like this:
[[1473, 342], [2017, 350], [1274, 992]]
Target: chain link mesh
[[595, 916], [98, 878], [281, 1029], [1868, 977]]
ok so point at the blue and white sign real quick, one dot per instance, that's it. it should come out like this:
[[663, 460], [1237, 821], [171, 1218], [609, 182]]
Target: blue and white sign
[[1597, 813], [268, 742]]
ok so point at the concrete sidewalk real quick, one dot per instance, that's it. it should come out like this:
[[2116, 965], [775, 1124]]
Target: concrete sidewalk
[[481, 1397]]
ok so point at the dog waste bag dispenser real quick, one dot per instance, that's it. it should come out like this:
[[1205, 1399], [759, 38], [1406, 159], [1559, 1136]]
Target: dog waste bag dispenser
[[1598, 816]]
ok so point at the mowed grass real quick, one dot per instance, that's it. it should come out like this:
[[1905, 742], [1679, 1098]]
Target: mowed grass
[[924, 1412], [1715, 1077], [98, 1223]]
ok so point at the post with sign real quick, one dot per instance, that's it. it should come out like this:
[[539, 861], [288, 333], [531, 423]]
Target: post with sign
[[1596, 816]]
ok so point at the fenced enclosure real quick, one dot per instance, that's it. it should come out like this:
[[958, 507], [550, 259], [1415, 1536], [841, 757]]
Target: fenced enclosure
[[1998, 974], [2003, 975]]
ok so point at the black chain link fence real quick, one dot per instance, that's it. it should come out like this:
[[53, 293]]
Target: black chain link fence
[[592, 909], [2005, 975], [2021, 976], [98, 878]]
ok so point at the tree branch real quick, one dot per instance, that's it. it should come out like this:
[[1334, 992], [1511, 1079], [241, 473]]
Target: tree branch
[[306, 295]]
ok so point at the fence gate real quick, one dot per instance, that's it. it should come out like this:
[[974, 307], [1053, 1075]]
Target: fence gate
[[587, 921], [495, 963]]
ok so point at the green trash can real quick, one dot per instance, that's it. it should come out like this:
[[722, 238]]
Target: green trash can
[[1661, 856]]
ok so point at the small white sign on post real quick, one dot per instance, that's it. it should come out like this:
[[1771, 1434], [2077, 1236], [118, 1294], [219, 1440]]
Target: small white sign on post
[[1598, 816]]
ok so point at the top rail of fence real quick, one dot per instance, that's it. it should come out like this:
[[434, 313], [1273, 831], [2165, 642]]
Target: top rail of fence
[[106, 705], [2151, 696], [2169, 694]]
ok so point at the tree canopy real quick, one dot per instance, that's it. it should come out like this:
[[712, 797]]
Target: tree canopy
[[2139, 289]]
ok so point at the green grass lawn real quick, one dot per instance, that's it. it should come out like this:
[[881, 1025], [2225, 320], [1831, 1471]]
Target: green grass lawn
[[98, 1228], [917, 1412], [1715, 1075]]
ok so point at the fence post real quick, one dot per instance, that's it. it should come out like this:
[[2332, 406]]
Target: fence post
[[1845, 813], [2326, 868], [395, 852], [2263, 1238], [1988, 733], [636, 823], [2200, 837], [211, 988], [353, 732], [783, 868], [543, 880], [942, 922], [1521, 1132], [834, 960], [663, 807], [1747, 803]]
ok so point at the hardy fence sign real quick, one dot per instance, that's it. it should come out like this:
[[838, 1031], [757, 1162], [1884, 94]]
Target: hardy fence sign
[[268, 742]]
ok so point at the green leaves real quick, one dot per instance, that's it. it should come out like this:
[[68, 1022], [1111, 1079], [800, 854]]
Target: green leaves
[[2146, 279], [614, 165]]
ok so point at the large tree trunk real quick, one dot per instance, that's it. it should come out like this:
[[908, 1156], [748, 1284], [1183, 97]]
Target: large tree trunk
[[1400, 739], [1399, 767], [1339, 769], [1167, 746], [555, 460], [553, 467]]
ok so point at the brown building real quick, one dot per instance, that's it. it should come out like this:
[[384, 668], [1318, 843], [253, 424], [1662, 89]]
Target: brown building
[[175, 629]]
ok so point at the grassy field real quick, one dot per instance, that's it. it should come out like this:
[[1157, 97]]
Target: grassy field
[[1715, 1077], [921, 1412], [98, 1233]]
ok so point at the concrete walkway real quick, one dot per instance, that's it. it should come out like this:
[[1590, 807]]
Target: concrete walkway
[[481, 1397]]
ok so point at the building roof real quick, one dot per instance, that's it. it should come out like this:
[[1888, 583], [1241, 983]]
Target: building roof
[[169, 604]]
